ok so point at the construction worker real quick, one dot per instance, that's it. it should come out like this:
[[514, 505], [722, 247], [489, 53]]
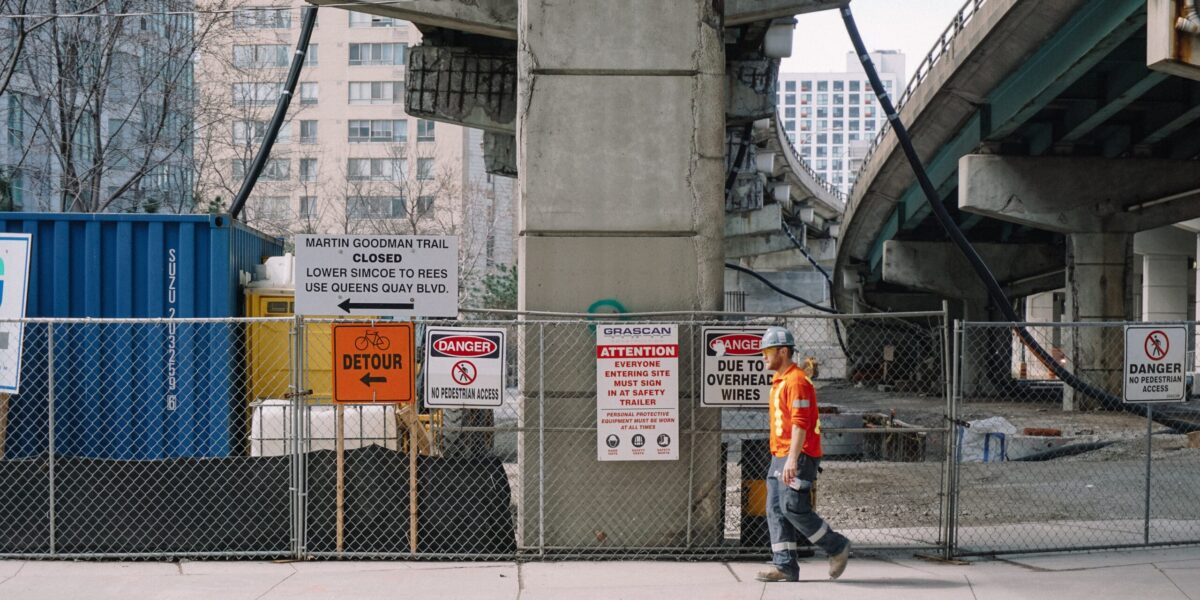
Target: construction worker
[[795, 456]]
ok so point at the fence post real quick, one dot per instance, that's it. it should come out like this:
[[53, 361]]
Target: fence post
[[695, 402], [956, 354], [1149, 454], [299, 480], [542, 439], [50, 431]]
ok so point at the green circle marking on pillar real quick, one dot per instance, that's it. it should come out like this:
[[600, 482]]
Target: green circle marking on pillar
[[613, 306]]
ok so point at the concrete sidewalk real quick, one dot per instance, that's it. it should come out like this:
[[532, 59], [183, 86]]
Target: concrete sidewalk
[[1158, 574]]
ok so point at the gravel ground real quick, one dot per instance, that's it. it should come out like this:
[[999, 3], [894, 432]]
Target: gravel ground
[[1107, 484]]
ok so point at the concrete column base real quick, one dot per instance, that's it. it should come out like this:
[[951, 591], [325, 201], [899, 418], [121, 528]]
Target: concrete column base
[[1099, 274]]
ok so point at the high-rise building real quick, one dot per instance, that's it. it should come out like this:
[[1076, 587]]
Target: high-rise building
[[349, 159], [832, 118], [98, 112]]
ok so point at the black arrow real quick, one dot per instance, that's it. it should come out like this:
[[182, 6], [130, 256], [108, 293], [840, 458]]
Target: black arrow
[[368, 380], [347, 305]]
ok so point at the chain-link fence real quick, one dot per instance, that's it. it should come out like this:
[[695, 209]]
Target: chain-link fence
[[1048, 455], [154, 438]]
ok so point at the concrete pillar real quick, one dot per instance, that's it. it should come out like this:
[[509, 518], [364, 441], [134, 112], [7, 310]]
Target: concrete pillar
[[620, 149], [1099, 270], [1164, 287]]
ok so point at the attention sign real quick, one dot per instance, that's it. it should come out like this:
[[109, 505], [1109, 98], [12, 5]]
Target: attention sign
[[373, 364], [399, 276], [464, 368], [734, 371], [1154, 363], [637, 392]]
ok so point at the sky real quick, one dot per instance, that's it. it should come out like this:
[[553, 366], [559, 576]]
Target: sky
[[910, 26]]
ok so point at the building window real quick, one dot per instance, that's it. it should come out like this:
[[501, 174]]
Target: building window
[[853, 125], [853, 99], [838, 86], [376, 92], [822, 138], [359, 19], [263, 18], [424, 204], [273, 207], [806, 86], [375, 207], [790, 112], [252, 132], [308, 169], [790, 99], [822, 86], [260, 56], [805, 98], [308, 132], [378, 130], [822, 113], [310, 56], [257, 93], [789, 86], [308, 92], [377, 54], [854, 87], [424, 130], [790, 125], [854, 112], [839, 99], [308, 207], [837, 138], [839, 112], [375, 169], [424, 169], [822, 164], [868, 125], [822, 99], [275, 169]]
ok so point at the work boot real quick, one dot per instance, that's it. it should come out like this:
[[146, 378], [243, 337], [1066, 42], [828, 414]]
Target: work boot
[[837, 562], [775, 576]]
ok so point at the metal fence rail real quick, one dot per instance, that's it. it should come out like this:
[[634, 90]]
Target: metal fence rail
[[1103, 482], [218, 438]]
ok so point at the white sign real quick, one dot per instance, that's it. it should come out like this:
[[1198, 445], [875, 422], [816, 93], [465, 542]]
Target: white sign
[[400, 276], [464, 367], [14, 286], [734, 371], [637, 392], [1154, 369]]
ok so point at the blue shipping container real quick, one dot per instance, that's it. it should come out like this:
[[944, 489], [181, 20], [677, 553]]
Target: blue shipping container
[[126, 391]]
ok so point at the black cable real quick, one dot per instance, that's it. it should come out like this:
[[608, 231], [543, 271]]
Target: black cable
[[795, 242], [281, 106], [731, 177], [837, 327], [995, 292], [768, 283]]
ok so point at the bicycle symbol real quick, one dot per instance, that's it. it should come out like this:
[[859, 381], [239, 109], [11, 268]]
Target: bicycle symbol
[[373, 338]]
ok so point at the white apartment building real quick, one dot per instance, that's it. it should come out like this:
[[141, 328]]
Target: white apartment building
[[832, 117], [349, 159]]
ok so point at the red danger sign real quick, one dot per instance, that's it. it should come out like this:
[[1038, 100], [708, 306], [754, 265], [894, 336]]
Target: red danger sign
[[464, 346], [733, 344]]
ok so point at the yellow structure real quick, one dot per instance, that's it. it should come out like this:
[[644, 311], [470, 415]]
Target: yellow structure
[[269, 347]]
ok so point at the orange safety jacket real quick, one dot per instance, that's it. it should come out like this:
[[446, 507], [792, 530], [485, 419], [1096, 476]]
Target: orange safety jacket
[[794, 402]]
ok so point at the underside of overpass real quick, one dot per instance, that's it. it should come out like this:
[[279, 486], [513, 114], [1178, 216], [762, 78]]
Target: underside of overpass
[[1076, 99]]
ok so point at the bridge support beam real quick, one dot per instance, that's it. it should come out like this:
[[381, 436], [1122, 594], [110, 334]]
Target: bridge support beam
[[940, 268], [1100, 203], [598, 221]]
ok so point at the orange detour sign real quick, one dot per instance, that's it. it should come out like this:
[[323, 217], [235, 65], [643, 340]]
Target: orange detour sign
[[373, 364]]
